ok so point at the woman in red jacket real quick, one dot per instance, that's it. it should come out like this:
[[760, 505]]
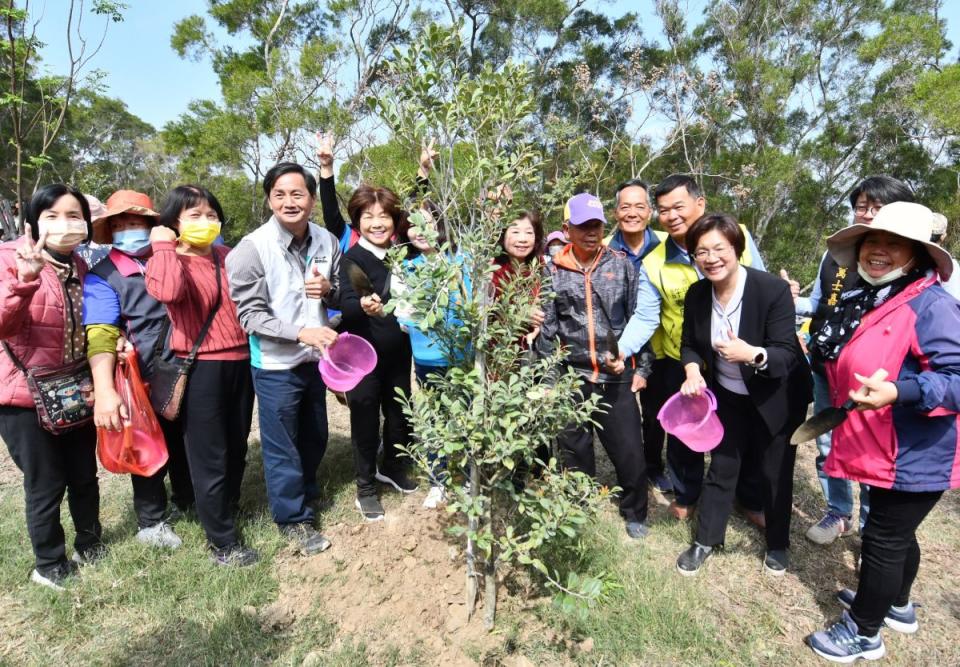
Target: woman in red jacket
[[188, 275], [41, 325], [902, 439], [522, 245]]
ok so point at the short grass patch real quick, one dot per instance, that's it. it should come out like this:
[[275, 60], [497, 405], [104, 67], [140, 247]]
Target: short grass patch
[[147, 607]]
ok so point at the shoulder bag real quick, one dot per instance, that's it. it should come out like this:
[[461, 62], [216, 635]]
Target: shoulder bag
[[63, 395], [168, 381]]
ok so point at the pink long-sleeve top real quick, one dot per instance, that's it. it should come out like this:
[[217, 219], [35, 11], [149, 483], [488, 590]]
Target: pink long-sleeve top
[[187, 284]]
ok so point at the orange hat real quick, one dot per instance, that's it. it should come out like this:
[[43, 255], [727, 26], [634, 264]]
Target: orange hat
[[122, 201]]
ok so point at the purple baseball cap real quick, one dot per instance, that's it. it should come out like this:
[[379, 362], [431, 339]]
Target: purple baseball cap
[[582, 208]]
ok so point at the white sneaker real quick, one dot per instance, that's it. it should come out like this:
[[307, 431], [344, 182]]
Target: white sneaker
[[159, 535], [435, 497]]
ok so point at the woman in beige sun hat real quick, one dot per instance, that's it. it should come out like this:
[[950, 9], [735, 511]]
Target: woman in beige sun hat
[[891, 348]]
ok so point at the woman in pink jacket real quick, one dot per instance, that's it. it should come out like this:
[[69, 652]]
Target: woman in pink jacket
[[41, 326], [903, 438]]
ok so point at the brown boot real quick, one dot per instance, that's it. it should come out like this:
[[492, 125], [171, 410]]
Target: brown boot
[[680, 512], [758, 519]]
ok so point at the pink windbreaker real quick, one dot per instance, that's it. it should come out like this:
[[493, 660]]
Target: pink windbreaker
[[32, 318]]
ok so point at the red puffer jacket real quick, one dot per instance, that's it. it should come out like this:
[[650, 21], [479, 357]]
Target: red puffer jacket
[[32, 319]]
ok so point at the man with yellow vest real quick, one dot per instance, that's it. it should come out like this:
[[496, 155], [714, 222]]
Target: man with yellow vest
[[665, 275], [636, 239]]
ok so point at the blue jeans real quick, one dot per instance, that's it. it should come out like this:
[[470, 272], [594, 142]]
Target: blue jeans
[[293, 438], [438, 465], [837, 492]]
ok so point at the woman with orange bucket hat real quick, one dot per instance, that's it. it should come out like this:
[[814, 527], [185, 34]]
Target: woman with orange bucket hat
[[116, 303]]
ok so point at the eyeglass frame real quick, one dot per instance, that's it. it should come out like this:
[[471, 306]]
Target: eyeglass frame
[[705, 253], [867, 210]]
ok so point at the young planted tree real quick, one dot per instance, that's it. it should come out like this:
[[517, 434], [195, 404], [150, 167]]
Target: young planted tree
[[493, 417]]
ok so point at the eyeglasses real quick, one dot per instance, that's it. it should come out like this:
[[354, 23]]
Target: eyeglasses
[[863, 209], [704, 253]]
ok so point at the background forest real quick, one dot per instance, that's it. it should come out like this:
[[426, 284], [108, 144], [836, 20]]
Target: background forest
[[777, 106]]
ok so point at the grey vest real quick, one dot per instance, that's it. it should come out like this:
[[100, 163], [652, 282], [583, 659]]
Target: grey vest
[[142, 317]]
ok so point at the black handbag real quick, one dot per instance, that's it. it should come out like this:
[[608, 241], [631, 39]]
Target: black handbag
[[63, 395], [168, 379]]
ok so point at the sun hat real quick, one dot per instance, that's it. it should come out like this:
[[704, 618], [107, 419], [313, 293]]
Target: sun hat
[[904, 219], [582, 208], [122, 201]]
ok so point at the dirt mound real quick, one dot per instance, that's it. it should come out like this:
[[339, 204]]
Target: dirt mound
[[397, 583]]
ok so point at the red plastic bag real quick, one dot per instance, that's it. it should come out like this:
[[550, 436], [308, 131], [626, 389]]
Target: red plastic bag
[[139, 447]]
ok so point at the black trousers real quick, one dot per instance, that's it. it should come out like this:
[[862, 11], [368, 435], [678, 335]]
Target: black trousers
[[686, 465], [891, 554], [377, 394], [51, 465], [216, 415], [652, 398], [619, 427], [150, 493], [746, 436]]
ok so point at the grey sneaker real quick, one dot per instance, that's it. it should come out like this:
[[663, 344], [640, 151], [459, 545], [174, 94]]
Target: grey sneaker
[[636, 530], [305, 537], [370, 508], [901, 619], [829, 528], [159, 535], [56, 576]]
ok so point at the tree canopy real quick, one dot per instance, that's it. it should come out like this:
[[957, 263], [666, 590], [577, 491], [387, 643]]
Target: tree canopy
[[778, 107]]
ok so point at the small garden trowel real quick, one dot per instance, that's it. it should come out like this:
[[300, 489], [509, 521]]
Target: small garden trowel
[[359, 281], [829, 419]]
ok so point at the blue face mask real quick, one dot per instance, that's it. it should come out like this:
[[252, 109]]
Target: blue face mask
[[134, 242]]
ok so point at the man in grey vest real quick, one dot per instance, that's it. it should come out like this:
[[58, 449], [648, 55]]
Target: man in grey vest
[[283, 276]]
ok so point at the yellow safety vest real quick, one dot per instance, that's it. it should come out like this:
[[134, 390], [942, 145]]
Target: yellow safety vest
[[672, 280]]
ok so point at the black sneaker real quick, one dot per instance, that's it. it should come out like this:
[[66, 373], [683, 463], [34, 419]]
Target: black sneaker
[[691, 560], [90, 555], [235, 555], [175, 513], [55, 576], [306, 538], [398, 480], [370, 508], [776, 561]]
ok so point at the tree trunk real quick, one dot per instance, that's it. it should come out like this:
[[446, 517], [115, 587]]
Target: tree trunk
[[490, 579], [490, 593], [472, 590]]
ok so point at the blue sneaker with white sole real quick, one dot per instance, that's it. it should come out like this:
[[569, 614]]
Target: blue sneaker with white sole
[[901, 619], [841, 643]]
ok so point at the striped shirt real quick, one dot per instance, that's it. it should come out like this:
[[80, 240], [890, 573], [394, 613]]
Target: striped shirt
[[187, 284]]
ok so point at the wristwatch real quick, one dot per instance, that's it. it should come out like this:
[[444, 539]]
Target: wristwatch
[[760, 360]]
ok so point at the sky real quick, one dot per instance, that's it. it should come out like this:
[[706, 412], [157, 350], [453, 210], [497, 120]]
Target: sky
[[141, 69]]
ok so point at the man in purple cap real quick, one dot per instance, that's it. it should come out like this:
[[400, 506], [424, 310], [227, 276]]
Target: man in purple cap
[[595, 292]]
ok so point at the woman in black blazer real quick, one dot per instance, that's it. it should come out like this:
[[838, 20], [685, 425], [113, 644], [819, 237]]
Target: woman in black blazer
[[739, 339]]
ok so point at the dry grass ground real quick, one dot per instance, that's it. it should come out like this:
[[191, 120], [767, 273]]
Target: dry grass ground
[[391, 594]]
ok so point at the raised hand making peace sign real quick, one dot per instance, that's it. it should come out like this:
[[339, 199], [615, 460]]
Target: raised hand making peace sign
[[29, 255]]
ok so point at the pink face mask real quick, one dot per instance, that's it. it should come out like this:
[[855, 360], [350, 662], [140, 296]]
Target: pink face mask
[[63, 235]]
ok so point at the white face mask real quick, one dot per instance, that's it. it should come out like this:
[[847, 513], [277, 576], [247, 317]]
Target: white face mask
[[887, 277]]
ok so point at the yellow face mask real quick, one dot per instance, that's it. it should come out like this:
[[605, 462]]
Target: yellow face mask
[[199, 233]]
